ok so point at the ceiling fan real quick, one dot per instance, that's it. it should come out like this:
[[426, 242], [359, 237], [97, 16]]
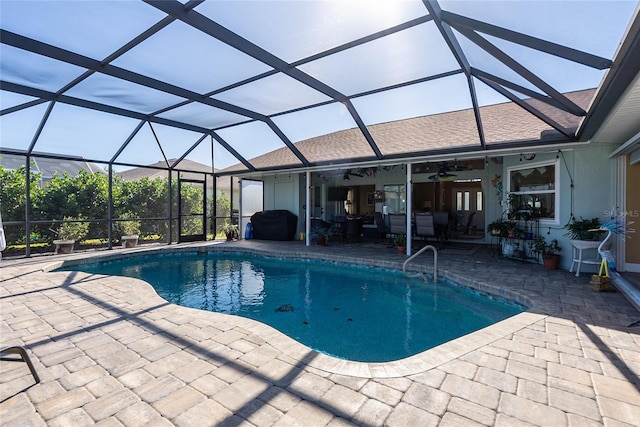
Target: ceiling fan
[[456, 165], [348, 173], [443, 172]]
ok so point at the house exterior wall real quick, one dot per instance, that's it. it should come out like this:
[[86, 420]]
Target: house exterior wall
[[593, 195], [593, 188]]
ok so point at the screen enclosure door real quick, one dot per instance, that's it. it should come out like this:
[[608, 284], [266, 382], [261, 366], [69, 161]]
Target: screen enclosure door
[[192, 210], [252, 202]]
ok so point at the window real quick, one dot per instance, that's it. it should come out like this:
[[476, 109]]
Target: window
[[463, 201], [535, 188], [395, 198]]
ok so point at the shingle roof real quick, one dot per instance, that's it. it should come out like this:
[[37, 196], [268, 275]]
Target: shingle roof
[[503, 123], [49, 167], [151, 172]]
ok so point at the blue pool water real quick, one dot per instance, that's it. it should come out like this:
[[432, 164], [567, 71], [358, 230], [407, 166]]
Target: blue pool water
[[350, 312]]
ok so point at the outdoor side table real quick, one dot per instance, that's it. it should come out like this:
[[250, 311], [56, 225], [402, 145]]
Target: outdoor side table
[[577, 258]]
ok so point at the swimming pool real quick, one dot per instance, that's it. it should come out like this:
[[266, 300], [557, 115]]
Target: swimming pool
[[350, 312]]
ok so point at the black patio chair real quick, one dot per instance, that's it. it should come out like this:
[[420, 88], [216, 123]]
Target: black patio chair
[[24, 357], [441, 223], [382, 227]]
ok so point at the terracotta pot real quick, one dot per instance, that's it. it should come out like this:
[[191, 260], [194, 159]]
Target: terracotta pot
[[551, 262], [401, 250]]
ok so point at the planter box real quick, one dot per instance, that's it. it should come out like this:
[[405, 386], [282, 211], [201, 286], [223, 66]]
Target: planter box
[[64, 246], [129, 241]]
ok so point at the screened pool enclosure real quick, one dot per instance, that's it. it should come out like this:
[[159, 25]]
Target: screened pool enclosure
[[198, 95]]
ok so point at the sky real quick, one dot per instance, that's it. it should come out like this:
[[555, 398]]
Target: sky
[[292, 31]]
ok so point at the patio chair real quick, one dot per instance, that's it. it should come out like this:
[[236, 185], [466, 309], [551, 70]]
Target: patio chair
[[397, 224], [379, 221], [425, 225], [24, 357], [441, 224]]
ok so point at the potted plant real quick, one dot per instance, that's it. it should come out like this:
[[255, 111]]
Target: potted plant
[[512, 229], [497, 227], [128, 230], [321, 235], [549, 252], [583, 229], [68, 233], [230, 230], [400, 241]]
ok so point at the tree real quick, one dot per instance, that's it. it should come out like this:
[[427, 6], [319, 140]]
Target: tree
[[13, 189], [191, 197], [223, 210], [85, 195], [146, 198]]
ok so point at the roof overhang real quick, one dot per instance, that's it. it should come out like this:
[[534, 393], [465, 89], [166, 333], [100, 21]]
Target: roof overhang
[[448, 155]]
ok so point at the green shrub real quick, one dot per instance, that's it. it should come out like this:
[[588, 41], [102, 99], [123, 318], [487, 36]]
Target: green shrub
[[73, 230]]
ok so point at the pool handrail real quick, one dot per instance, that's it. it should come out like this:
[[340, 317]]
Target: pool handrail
[[417, 275]]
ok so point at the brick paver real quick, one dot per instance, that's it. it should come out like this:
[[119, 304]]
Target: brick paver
[[111, 352]]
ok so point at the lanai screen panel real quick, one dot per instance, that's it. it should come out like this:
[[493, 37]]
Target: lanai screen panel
[[120, 93], [186, 57], [443, 117], [272, 94], [203, 115], [590, 26], [384, 62], [202, 153], [331, 121], [254, 138], [83, 132], [159, 143], [84, 27], [10, 99], [295, 30], [35, 71], [18, 129]]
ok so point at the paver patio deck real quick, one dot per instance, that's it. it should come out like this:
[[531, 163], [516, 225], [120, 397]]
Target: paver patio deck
[[111, 352]]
